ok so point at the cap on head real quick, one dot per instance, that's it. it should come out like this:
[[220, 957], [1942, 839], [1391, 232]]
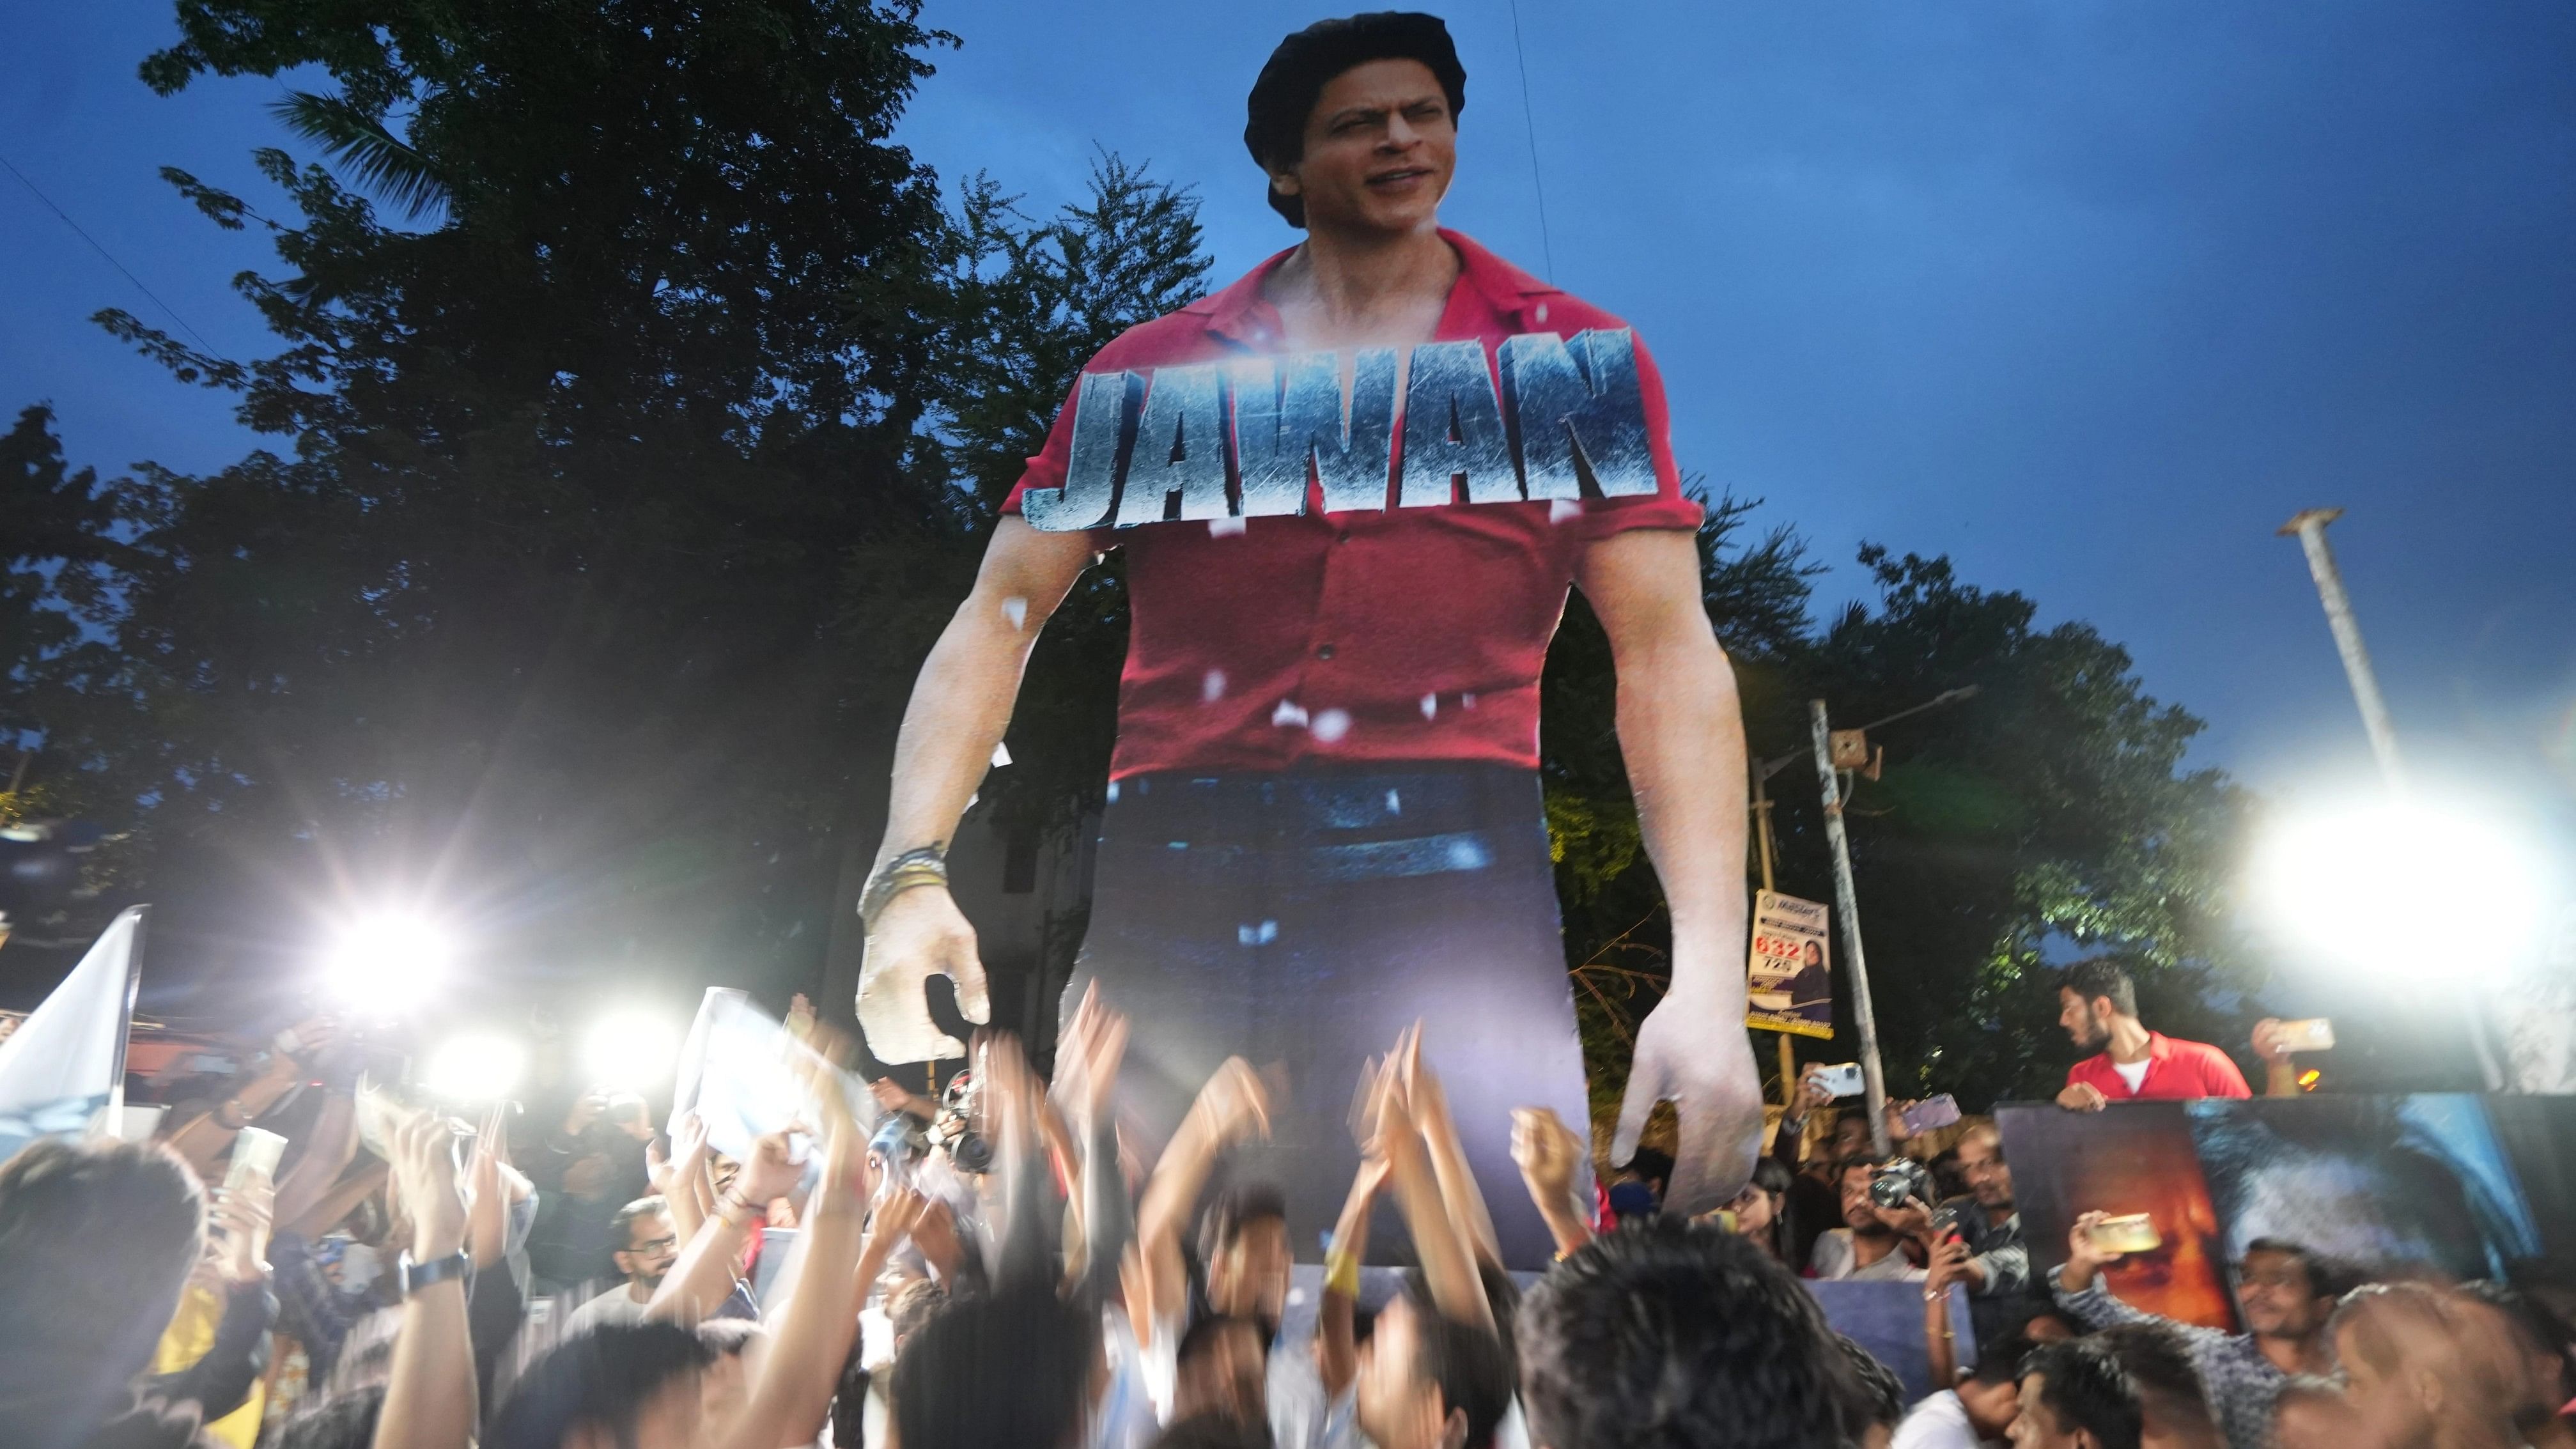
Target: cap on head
[[1274, 127]]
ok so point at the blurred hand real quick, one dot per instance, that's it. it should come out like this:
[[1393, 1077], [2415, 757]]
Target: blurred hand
[[800, 1016], [1894, 1111], [770, 1172], [1692, 1051], [585, 1110], [935, 1233], [1547, 1153], [919, 934], [313, 1037], [2268, 1043], [1949, 1260], [898, 1213], [2082, 1097], [425, 1177], [1812, 1091], [1914, 1220], [689, 1143], [1234, 1105], [1086, 1065], [2084, 1257], [889, 1096], [242, 1221]]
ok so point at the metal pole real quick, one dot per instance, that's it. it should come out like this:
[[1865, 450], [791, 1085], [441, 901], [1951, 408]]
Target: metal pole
[[2310, 527], [1847, 903], [1762, 828]]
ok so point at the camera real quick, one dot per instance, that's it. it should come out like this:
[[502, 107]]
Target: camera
[[1898, 1181], [954, 1128]]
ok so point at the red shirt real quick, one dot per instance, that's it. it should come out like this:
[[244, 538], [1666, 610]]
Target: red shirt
[[1403, 634], [2176, 1071]]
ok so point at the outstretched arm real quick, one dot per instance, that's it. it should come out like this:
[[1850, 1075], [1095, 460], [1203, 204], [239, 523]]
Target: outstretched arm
[[960, 706], [1681, 729], [1232, 1106]]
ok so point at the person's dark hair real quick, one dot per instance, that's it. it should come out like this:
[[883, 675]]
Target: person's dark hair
[[1468, 1365], [1004, 1368], [1774, 1177], [1671, 1331], [730, 1336], [1237, 1206], [1283, 97], [339, 1421], [2103, 977], [1215, 1431], [2325, 1279], [912, 1305], [2540, 1328], [1652, 1166], [621, 1227], [96, 1242], [603, 1378], [2159, 1362], [1879, 1397], [1502, 1295], [2085, 1387], [1999, 1362]]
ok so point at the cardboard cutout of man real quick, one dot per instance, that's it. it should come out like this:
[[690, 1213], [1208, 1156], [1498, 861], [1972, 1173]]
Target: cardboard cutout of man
[[1324, 814]]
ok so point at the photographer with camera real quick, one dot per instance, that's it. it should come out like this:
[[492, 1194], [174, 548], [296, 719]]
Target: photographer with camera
[[1869, 1247]]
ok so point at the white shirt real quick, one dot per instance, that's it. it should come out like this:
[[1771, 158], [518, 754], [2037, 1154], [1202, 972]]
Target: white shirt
[[1837, 1259], [1939, 1422], [617, 1305], [2133, 1073]]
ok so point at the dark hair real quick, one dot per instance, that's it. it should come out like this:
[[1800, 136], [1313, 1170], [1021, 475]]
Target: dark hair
[[910, 1306], [2159, 1363], [1670, 1331], [623, 1225], [2084, 1386], [1240, 1204], [1651, 1165], [1468, 1365], [602, 1378], [730, 1336], [2324, 1279], [1880, 1396], [1283, 97], [340, 1421], [1214, 1431], [1502, 1295], [96, 1242], [2540, 1328], [1005, 1368], [2103, 977], [1999, 1362]]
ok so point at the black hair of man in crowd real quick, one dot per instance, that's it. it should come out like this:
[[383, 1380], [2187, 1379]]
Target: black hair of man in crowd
[[1244, 1254], [1006, 1368], [2171, 1398], [1284, 94], [1214, 1431], [341, 1421], [2082, 1390], [96, 1242], [1879, 1402], [1670, 1331], [603, 1386], [2102, 979]]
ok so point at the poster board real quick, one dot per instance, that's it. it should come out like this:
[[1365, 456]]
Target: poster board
[[1788, 971]]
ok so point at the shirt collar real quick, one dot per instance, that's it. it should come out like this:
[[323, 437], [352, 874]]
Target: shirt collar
[[2158, 1047], [1240, 314]]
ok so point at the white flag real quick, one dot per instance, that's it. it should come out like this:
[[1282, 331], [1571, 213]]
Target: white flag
[[66, 1061]]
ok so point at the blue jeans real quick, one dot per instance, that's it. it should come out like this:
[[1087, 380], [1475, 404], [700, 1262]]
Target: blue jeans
[[1301, 920]]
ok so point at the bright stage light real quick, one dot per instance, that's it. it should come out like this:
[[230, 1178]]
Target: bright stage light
[[630, 1051], [388, 963], [2405, 889], [475, 1067]]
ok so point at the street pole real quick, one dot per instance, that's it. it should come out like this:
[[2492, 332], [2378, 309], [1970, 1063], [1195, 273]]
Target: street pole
[[1762, 827], [2310, 527], [1847, 903]]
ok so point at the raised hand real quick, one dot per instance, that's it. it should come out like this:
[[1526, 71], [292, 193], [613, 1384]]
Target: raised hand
[[770, 1172], [425, 1179], [1095, 1043], [1234, 1105], [1692, 1052], [1547, 1153], [1948, 1261], [242, 1222], [919, 934]]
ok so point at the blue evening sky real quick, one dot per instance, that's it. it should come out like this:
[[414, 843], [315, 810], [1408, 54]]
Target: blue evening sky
[[2089, 296]]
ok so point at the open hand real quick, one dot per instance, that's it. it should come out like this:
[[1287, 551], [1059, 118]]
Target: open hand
[[1547, 1153], [919, 934], [1693, 1053], [1087, 1063]]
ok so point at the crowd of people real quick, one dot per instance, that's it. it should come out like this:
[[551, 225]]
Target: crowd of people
[[997, 1267]]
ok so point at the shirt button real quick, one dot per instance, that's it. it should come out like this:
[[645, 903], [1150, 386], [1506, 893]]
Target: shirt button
[[1343, 537], [1324, 653]]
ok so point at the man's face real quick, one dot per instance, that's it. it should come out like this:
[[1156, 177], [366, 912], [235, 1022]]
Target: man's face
[[2036, 1426], [1380, 148], [1851, 1134], [1991, 1407], [2387, 1402], [1859, 1213], [2276, 1299], [2081, 1021], [1394, 1407], [651, 1248], [1981, 1162], [1250, 1278]]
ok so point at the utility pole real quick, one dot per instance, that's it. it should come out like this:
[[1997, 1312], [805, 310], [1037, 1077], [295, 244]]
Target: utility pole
[[1762, 772], [1847, 904], [2309, 525]]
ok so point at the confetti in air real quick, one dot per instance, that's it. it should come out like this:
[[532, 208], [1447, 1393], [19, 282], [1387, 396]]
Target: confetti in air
[[1260, 935], [1212, 688], [1288, 714], [1394, 806], [1001, 755], [1561, 509], [1226, 527], [1430, 705], [1466, 701], [1113, 792], [1332, 724], [1016, 609]]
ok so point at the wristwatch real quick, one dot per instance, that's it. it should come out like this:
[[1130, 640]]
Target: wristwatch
[[416, 1276]]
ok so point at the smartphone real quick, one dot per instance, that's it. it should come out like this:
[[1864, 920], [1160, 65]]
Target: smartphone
[[2313, 1034], [1843, 1080], [257, 1151], [2133, 1233], [1931, 1112]]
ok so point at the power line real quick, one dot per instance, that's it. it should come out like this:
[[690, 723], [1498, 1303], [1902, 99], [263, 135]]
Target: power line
[[202, 343], [1529, 123]]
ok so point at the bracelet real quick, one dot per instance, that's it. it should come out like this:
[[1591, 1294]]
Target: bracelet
[[1342, 1273], [927, 865], [729, 1202]]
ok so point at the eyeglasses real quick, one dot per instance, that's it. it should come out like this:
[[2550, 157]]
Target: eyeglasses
[[654, 1245]]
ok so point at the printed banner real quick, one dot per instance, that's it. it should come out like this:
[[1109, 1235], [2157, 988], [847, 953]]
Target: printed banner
[[1789, 982]]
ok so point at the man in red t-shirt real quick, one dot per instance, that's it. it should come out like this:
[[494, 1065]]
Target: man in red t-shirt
[[1324, 815], [2098, 1006]]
